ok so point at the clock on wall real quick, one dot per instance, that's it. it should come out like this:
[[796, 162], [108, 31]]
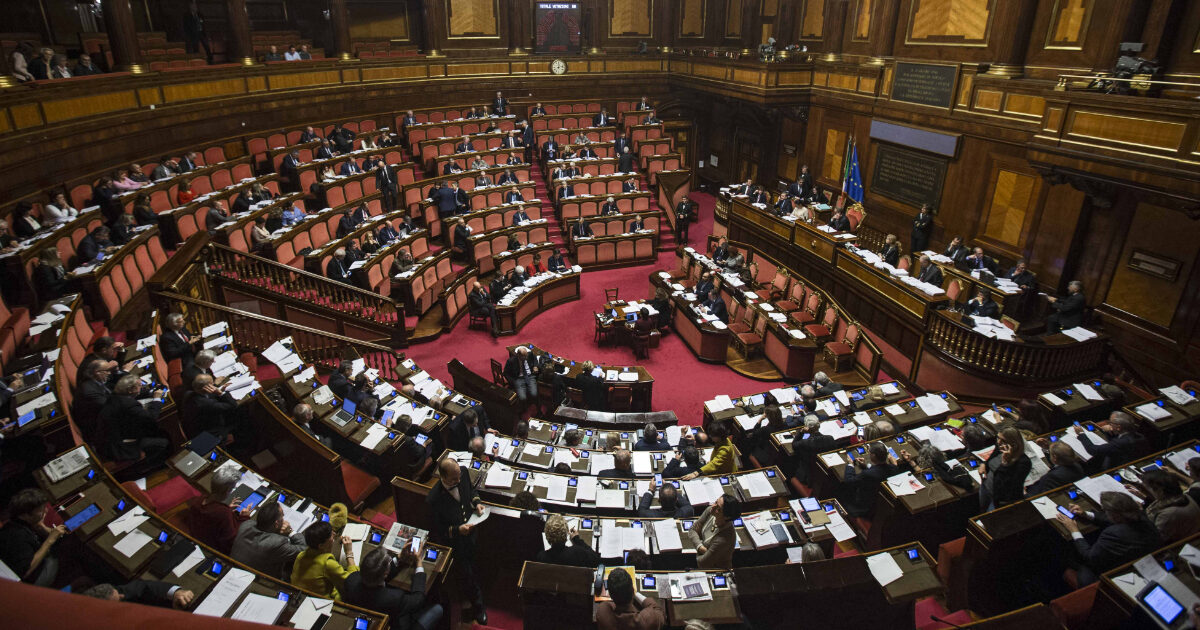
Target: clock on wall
[[558, 66]]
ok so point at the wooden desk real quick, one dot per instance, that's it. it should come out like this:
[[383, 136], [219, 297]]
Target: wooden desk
[[643, 385], [511, 318]]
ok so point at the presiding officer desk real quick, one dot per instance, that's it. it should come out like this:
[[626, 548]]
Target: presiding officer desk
[[999, 542], [137, 543], [516, 309], [707, 338], [615, 375], [775, 596]]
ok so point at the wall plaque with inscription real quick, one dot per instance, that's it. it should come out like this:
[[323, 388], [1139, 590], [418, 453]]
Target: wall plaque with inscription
[[908, 176], [924, 84]]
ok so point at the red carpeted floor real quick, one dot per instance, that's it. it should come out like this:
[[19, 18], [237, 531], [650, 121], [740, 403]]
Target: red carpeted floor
[[681, 382]]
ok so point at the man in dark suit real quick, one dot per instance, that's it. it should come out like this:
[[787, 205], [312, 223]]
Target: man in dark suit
[[466, 426], [149, 592], [215, 216], [210, 409], [621, 143], [982, 305], [345, 225], [537, 110], [550, 149], [513, 196], [325, 151], [891, 250], [385, 181], [566, 192], [130, 428], [979, 261], [683, 464], [824, 385], [507, 178], [839, 221], [636, 224], [651, 440], [339, 382], [1023, 277], [1125, 535], [242, 202], [521, 372], [309, 134], [510, 141], [610, 207], [685, 213], [187, 163], [466, 146], [91, 396], [1066, 468], [1068, 311], [556, 262], [349, 168], [409, 120], [451, 167], [462, 202], [369, 588], [922, 227], [387, 234], [445, 200], [581, 229], [625, 160], [338, 268], [453, 500], [704, 286], [586, 153], [930, 272], [576, 554], [861, 485], [716, 307], [784, 205], [622, 466], [955, 251], [595, 390], [1125, 443], [176, 342], [480, 304], [807, 444], [630, 186], [498, 287], [289, 169], [342, 138], [520, 216], [500, 105], [602, 119], [672, 503]]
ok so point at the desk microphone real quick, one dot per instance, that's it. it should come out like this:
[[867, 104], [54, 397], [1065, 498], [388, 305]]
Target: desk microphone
[[940, 620]]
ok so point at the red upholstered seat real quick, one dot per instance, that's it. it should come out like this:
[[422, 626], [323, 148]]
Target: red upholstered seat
[[1074, 609], [358, 484]]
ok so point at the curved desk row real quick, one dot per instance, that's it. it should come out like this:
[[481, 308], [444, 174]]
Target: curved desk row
[[512, 317]]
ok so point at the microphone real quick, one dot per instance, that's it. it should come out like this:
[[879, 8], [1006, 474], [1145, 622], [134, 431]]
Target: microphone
[[940, 620]]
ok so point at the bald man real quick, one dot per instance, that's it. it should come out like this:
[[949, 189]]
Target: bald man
[[452, 501]]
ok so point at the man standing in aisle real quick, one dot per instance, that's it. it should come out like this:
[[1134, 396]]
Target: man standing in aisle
[[685, 212]]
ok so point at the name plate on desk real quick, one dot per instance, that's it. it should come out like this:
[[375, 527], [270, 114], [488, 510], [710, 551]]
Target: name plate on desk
[[911, 177], [924, 84]]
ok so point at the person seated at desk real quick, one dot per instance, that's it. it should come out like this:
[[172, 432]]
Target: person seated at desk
[[466, 146], [122, 229], [978, 261], [324, 152], [565, 192], [982, 305], [582, 229], [956, 251], [685, 462], [557, 263], [930, 273], [824, 385], [721, 251], [1174, 514], [651, 440], [705, 286], [522, 371], [266, 543], [50, 275], [724, 457], [97, 242], [576, 554], [713, 535], [715, 306], [513, 160], [839, 221], [292, 215], [514, 243], [1022, 276], [507, 178], [568, 153], [451, 167], [1124, 443], [27, 543], [316, 569], [406, 610], [630, 186], [302, 415], [623, 466], [734, 261], [807, 444], [1068, 311], [760, 197], [149, 592], [338, 268], [510, 140], [672, 504], [1065, 468], [498, 287], [348, 168], [610, 207], [130, 427], [520, 217], [209, 519], [1125, 535], [629, 609], [891, 250], [483, 181], [551, 150], [462, 238], [469, 424], [1005, 471], [861, 485], [783, 206], [585, 153], [595, 391]]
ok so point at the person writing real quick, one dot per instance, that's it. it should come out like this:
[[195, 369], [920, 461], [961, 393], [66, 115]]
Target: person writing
[[316, 569], [576, 554]]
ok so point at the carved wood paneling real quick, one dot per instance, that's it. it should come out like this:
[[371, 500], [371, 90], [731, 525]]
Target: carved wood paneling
[[691, 18], [1140, 132], [472, 18], [1162, 232], [811, 20], [370, 20], [733, 18], [1013, 196], [630, 18], [960, 22], [1068, 24], [835, 154], [862, 19]]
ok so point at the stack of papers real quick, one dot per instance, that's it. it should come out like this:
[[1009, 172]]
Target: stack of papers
[[1177, 395], [1093, 487], [666, 533], [1079, 333], [703, 490], [498, 476], [720, 403], [615, 540], [904, 484], [933, 404], [943, 440], [757, 484], [1151, 411], [225, 593], [884, 568]]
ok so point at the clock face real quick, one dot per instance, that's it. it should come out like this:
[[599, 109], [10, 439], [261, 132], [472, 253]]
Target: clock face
[[558, 66]]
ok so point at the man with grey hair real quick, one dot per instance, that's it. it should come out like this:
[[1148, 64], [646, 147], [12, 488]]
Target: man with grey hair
[[202, 364], [368, 588], [930, 273], [176, 342], [1124, 444], [623, 466], [130, 427], [91, 395], [208, 408], [338, 269], [267, 542], [807, 444], [521, 372], [1068, 311], [825, 386], [475, 448], [302, 415], [209, 518]]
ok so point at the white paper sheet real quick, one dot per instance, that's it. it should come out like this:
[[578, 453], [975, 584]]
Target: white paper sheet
[[257, 608], [1093, 487], [757, 484], [833, 459], [610, 498], [1047, 508], [894, 410], [586, 490], [356, 531], [221, 596], [666, 532], [132, 542], [556, 488], [498, 476], [1151, 411], [1177, 395], [1088, 391], [189, 562], [884, 568], [309, 610], [1053, 399]]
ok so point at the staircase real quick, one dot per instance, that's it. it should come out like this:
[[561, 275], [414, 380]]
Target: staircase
[[554, 228]]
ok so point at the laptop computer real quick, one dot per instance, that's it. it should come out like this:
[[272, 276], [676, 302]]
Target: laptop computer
[[346, 413]]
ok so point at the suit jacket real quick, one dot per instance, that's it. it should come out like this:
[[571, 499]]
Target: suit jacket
[[556, 263], [162, 171], [891, 255], [683, 509], [595, 392], [339, 384], [269, 552], [932, 274], [718, 541], [90, 399], [478, 301], [616, 473], [124, 418], [289, 164], [498, 288], [151, 592], [625, 162], [703, 288], [1118, 543], [1117, 451], [449, 513], [50, 281], [577, 554], [642, 445], [384, 178], [922, 226], [210, 412], [1005, 483], [1023, 279], [459, 434], [387, 234], [1070, 310], [402, 607], [186, 165], [214, 218], [444, 197], [338, 271], [619, 146], [174, 347], [988, 308], [306, 136], [519, 217], [862, 487], [464, 147], [462, 237], [348, 168], [760, 197], [636, 225], [841, 224], [513, 369], [685, 211], [508, 178], [609, 209], [805, 451], [987, 262], [716, 306], [1057, 477], [581, 229], [500, 106], [955, 253], [586, 152], [678, 468]]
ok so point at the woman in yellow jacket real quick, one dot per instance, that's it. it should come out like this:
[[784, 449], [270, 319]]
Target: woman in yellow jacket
[[724, 455], [316, 569]]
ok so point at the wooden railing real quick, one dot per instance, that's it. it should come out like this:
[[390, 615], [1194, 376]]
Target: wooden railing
[[1045, 363], [255, 333]]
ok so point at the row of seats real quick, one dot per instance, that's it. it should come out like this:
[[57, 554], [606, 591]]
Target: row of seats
[[417, 134], [488, 244], [570, 208], [615, 249], [123, 274]]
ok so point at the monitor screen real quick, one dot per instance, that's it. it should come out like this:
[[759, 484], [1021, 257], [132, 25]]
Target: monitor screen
[[82, 517], [349, 405], [251, 502], [1163, 605], [557, 26]]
